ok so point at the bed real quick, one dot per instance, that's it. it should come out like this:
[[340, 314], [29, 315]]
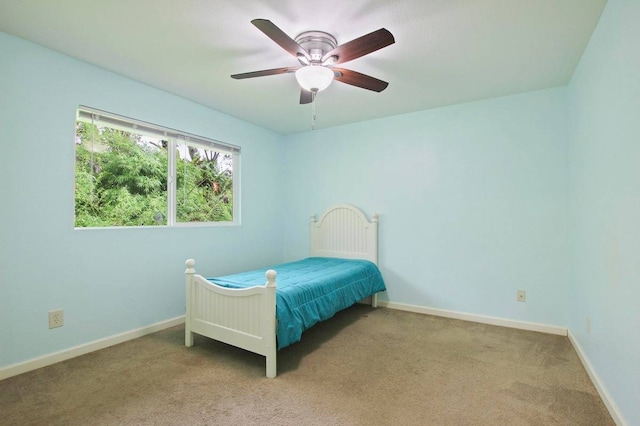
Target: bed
[[252, 311]]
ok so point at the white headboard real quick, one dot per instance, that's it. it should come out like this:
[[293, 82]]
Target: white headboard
[[344, 231]]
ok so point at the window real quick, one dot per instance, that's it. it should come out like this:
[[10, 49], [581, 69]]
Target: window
[[132, 173]]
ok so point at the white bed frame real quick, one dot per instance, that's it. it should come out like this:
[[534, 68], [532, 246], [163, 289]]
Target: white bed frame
[[246, 318]]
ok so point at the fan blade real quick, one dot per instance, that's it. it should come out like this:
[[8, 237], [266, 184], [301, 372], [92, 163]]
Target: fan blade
[[306, 97], [359, 80], [361, 46], [280, 37], [263, 73]]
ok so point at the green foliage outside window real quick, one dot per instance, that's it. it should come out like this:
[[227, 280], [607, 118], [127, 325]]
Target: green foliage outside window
[[121, 180]]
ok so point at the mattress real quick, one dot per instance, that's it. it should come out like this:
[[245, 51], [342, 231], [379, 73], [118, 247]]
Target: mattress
[[311, 290]]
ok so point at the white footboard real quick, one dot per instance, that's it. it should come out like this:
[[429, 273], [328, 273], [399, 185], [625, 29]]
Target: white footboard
[[245, 318]]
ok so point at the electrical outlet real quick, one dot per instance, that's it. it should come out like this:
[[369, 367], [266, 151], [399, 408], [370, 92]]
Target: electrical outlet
[[521, 296], [56, 318]]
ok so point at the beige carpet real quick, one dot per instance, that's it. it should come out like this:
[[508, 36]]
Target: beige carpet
[[363, 367]]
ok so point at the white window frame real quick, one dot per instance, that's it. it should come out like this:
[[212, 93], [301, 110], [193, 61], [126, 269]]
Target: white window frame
[[119, 122]]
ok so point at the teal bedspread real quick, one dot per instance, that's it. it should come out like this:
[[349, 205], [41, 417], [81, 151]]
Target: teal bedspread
[[311, 290]]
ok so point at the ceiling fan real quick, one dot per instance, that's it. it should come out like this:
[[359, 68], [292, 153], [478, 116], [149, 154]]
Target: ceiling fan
[[318, 53]]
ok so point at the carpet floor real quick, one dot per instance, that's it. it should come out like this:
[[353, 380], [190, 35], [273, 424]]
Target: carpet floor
[[365, 366]]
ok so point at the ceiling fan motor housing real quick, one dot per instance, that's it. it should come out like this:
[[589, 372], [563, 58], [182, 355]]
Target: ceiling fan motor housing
[[317, 43]]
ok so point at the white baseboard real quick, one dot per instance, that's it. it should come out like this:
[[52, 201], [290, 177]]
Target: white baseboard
[[45, 360], [522, 325], [602, 391]]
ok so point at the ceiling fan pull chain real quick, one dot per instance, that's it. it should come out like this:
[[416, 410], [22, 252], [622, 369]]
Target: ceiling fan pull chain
[[313, 110]]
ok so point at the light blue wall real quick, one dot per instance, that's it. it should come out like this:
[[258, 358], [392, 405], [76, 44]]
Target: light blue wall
[[472, 201], [107, 281], [605, 203]]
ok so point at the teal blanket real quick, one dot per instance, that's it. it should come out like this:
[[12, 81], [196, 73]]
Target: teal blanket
[[311, 290]]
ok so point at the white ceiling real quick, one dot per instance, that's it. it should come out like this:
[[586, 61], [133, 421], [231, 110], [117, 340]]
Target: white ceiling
[[446, 51]]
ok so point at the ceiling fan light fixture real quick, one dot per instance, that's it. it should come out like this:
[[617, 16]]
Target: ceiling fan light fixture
[[314, 78]]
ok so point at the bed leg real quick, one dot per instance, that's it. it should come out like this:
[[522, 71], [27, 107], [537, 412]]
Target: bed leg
[[188, 339], [374, 300], [271, 366]]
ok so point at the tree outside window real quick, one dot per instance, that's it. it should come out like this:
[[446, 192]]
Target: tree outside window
[[124, 178]]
